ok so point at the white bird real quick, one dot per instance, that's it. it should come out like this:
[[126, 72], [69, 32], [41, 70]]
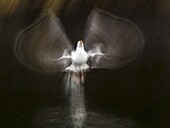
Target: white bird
[[79, 58], [110, 42]]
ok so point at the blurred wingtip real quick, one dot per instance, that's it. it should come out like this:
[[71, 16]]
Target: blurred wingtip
[[110, 30], [39, 45]]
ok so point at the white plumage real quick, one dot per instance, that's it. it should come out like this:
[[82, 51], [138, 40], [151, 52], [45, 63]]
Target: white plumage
[[79, 58]]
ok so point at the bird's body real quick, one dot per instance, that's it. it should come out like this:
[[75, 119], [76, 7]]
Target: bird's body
[[79, 59], [79, 56]]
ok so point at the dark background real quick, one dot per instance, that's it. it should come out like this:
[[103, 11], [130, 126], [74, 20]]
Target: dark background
[[140, 90]]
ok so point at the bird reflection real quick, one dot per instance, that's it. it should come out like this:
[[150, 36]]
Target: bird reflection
[[109, 42]]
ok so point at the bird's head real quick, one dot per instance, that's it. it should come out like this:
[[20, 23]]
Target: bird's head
[[80, 45]]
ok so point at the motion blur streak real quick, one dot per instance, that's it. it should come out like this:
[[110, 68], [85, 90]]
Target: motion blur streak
[[54, 5], [77, 102], [117, 38], [8, 7], [39, 45]]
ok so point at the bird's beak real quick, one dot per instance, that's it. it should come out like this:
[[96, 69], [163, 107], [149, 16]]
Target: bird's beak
[[81, 42]]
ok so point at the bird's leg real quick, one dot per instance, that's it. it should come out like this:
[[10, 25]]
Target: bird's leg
[[76, 78], [82, 76]]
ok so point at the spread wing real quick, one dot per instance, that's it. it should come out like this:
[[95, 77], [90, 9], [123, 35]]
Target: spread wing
[[118, 39], [40, 45]]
